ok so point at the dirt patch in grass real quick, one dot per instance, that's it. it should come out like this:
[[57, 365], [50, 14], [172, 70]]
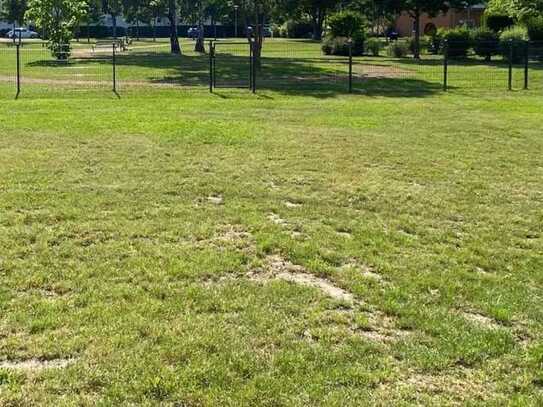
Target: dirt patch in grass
[[215, 199], [379, 71], [460, 386], [274, 218], [36, 364], [481, 320], [363, 270], [291, 205], [277, 268], [382, 328], [229, 237]]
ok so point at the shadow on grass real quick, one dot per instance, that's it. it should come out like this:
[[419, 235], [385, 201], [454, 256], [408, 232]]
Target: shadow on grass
[[320, 77]]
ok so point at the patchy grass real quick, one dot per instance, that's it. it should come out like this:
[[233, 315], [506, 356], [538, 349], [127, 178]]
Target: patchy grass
[[148, 247]]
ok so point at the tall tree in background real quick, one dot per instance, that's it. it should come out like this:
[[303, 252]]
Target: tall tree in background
[[58, 18], [157, 9], [520, 10], [170, 9], [257, 13], [416, 8], [93, 15], [13, 11], [217, 10], [317, 10], [136, 12], [175, 47], [114, 8]]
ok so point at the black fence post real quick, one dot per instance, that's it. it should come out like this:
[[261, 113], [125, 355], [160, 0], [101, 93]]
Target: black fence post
[[18, 56], [445, 65], [251, 64], [211, 76], [350, 66], [255, 62], [510, 77], [526, 64], [114, 63]]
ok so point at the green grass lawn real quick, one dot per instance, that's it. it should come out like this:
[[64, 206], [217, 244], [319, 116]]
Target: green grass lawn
[[180, 248]]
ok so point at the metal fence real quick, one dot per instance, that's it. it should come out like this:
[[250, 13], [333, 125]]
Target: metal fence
[[283, 66]]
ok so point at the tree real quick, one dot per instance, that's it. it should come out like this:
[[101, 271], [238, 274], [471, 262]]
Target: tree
[[317, 10], [217, 10], [58, 18], [175, 48], [416, 8], [169, 8], [256, 14], [157, 9], [520, 10], [93, 16], [13, 11], [114, 8], [193, 10], [136, 11]]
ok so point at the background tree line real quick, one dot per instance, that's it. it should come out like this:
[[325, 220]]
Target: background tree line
[[57, 20]]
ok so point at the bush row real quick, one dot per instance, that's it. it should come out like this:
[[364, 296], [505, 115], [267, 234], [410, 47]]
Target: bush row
[[484, 42]]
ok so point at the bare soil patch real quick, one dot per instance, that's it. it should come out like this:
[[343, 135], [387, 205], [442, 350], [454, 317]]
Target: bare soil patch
[[281, 269], [36, 364]]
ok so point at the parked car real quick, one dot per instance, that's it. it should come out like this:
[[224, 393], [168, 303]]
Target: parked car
[[193, 32], [392, 34], [266, 31], [22, 33]]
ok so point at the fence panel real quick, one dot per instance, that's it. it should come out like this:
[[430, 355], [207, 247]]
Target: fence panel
[[390, 75], [152, 64], [64, 70], [8, 70], [300, 65], [535, 65], [232, 64]]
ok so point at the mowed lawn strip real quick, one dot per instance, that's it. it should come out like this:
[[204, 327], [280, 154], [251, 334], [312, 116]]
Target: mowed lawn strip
[[178, 247]]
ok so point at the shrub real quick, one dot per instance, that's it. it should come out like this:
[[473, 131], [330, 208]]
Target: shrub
[[398, 49], [535, 28], [346, 24], [458, 41], [498, 23], [373, 46], [486, 43], [340, 46], [514, 39], [424, 44], [434, 43]]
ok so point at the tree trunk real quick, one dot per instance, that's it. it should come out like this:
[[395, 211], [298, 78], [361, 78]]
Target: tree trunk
[[200, 42], [137, 30], [114, 22], [172, 16], [154, 29], [258, 38], [416, 52], [318, 20]]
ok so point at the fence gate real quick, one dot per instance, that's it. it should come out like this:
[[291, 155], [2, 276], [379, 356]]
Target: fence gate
[[230, 65]]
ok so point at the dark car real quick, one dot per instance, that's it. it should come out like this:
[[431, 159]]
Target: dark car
[[193, 32], [392, 34]]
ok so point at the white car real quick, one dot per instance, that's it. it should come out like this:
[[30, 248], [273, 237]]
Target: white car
[[22, 33]]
